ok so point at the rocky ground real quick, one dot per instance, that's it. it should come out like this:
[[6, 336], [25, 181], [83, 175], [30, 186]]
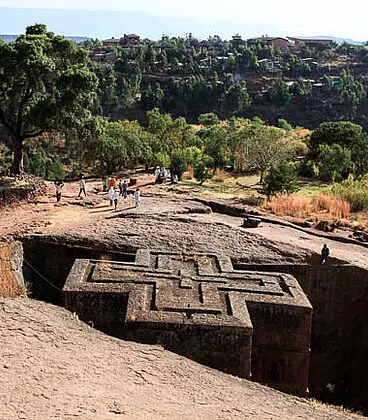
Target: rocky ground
[[53, 366]]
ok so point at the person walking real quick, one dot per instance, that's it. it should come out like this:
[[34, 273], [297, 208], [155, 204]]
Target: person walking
[[137, 197], [110, 195], [82, 186], [58, 187], [116, 198], [325, 253]]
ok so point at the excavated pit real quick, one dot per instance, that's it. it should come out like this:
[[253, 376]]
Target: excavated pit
[[46, 265], [338, 294]]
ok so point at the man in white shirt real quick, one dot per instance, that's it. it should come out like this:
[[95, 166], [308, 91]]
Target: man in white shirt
[[82, 186]]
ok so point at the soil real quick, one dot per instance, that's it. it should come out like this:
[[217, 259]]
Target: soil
[[55, 367]]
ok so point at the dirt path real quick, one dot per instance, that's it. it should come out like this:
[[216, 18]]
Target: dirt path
[[86, 214]]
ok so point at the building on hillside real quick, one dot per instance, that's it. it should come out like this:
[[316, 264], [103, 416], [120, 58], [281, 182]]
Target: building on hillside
[[130, 40], [277, 43], [237, 41], [268, 64], [102, 55], [111, 42], [310, 42]]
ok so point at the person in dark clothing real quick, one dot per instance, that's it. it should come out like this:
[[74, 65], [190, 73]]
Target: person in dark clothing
[[58, 187], [325, 252], [124, 189]]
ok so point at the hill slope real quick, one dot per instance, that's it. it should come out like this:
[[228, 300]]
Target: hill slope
[[55, 367]]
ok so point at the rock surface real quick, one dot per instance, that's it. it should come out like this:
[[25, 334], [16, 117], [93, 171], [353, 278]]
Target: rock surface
[[55, 367]]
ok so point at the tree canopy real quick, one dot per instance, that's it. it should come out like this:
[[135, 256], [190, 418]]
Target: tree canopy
[[45, 84]]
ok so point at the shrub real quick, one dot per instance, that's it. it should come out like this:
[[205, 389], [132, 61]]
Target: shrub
[[202, 168], [355, 192], [162, 159], [289, 205], [280, 179], [336, 207], [334, 161]]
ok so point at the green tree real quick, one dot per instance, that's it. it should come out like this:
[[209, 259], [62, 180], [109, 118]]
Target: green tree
[[208, 119], [263, 147], [352, 90], [283, 124], [44, 84], [202, 166], [359, 155], [121, 144], [281, 178], [344, 133], [215, 141], [334, 161], [280, 93]]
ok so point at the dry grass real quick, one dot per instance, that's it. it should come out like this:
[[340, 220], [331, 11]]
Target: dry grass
[[221, 175], [336, 207], [189, 173], [321, 206]]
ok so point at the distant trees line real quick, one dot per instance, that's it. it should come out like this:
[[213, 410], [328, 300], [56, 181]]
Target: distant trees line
[[187, 80], [52, 97]]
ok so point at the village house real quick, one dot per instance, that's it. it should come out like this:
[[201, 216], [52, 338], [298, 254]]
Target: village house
[[111, 42], [130, 40], [102, 55], [277, 43], [237, 41], [310, 42]]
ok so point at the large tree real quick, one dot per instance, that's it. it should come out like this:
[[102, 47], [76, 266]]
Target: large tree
[[262, 147], [45, 85]]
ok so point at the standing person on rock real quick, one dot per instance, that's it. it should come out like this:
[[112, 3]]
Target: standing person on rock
[[82, 186], [58, 187], [124, 189], [137, 197], [325, 253], [116, 198]]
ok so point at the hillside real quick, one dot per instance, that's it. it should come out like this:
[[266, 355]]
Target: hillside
[[50, 360], [55, 367], [76, 39]]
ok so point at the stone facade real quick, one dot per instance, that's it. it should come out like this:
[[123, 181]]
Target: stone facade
[[250, 324], [11, 277]]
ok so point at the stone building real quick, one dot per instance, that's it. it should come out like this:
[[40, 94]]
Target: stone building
[[255, 325]]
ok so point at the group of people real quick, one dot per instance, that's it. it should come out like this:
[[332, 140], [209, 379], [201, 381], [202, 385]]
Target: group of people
[[117, 189], [113, 194], [59, 184], [162, 175]]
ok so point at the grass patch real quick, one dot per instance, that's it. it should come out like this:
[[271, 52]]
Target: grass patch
[[321, 206]]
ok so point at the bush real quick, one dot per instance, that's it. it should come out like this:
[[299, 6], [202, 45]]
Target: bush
[[280, 179], [35, 162], [334, 162], [162, 159], [202, 168], [221, 175], [354, 192]]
